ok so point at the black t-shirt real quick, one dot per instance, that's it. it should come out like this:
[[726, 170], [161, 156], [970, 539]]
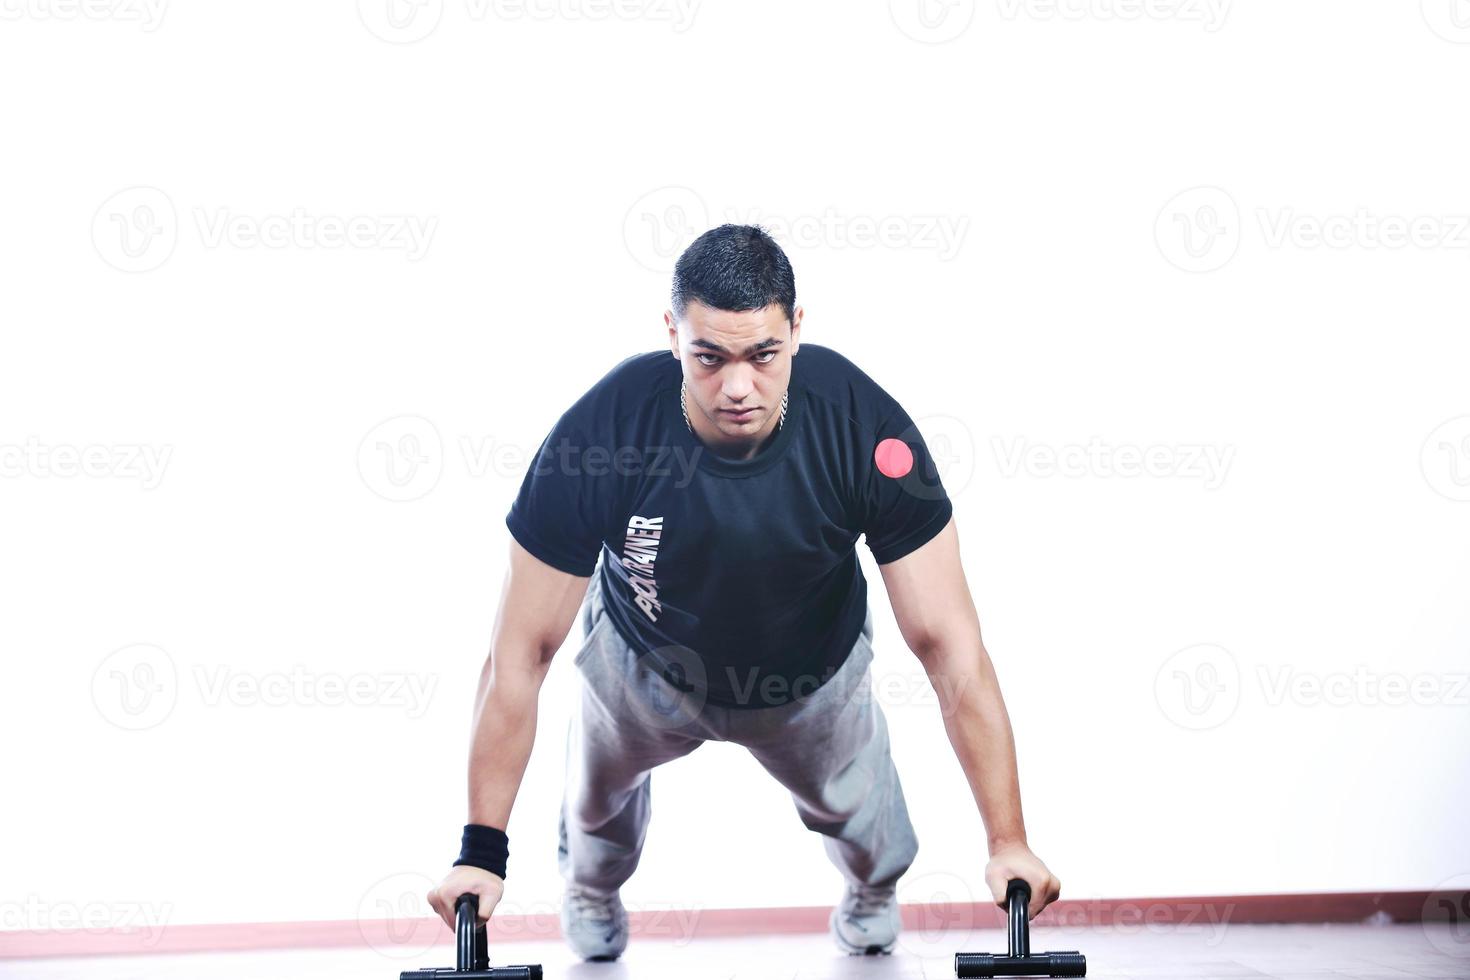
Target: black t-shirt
[[738, 578]]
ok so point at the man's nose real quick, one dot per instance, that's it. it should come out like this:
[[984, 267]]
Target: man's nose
[[739, 384]]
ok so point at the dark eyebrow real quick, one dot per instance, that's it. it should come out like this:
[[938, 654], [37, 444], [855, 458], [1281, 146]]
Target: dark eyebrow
[[711, 345]]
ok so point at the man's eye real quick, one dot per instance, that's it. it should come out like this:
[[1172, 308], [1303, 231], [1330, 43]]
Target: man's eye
[[702, 360], [770, 355]]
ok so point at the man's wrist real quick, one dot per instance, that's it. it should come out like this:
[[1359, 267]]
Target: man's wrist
[[484, 847], [1001, 842]]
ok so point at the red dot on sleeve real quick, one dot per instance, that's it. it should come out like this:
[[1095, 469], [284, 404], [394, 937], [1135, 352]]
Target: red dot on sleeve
[[894, 458]]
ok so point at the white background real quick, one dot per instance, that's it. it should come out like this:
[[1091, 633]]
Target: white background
[[1097, 229]]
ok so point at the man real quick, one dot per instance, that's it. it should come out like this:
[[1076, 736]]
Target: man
[[702, 512]]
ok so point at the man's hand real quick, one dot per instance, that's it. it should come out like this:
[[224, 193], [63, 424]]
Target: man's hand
[[1017, 861], [463, 879]]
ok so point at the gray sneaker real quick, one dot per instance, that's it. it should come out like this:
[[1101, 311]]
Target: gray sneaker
[[594, 925], [866, 921]]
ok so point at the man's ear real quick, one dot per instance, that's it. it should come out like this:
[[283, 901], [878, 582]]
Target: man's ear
[[673, 333], [796, 330]]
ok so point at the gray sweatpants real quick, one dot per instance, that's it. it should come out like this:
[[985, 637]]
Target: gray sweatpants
[[830, 750]]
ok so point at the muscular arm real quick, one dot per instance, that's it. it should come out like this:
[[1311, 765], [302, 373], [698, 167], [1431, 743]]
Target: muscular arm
[[937, 619], [538, 604]]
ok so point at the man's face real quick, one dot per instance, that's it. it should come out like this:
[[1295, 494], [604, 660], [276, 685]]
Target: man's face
[[734, 361]]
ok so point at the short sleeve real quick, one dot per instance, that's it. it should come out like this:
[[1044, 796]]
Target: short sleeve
[[558, 515], [904, 502]]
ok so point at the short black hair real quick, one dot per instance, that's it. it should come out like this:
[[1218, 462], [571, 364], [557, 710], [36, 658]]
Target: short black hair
[[735, 268]]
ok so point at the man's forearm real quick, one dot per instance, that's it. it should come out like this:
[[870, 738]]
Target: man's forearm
[[979, 728], [504, 732]]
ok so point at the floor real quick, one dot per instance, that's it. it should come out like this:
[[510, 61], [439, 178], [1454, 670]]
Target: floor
[[1235, 952]]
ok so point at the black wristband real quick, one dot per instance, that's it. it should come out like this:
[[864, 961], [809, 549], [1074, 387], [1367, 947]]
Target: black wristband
[[484, 847]]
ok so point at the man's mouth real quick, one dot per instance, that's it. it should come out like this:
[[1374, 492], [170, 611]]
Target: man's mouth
[[743, 415]]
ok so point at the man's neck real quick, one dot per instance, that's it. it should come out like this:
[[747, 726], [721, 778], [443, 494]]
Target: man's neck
[[742, 450]]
